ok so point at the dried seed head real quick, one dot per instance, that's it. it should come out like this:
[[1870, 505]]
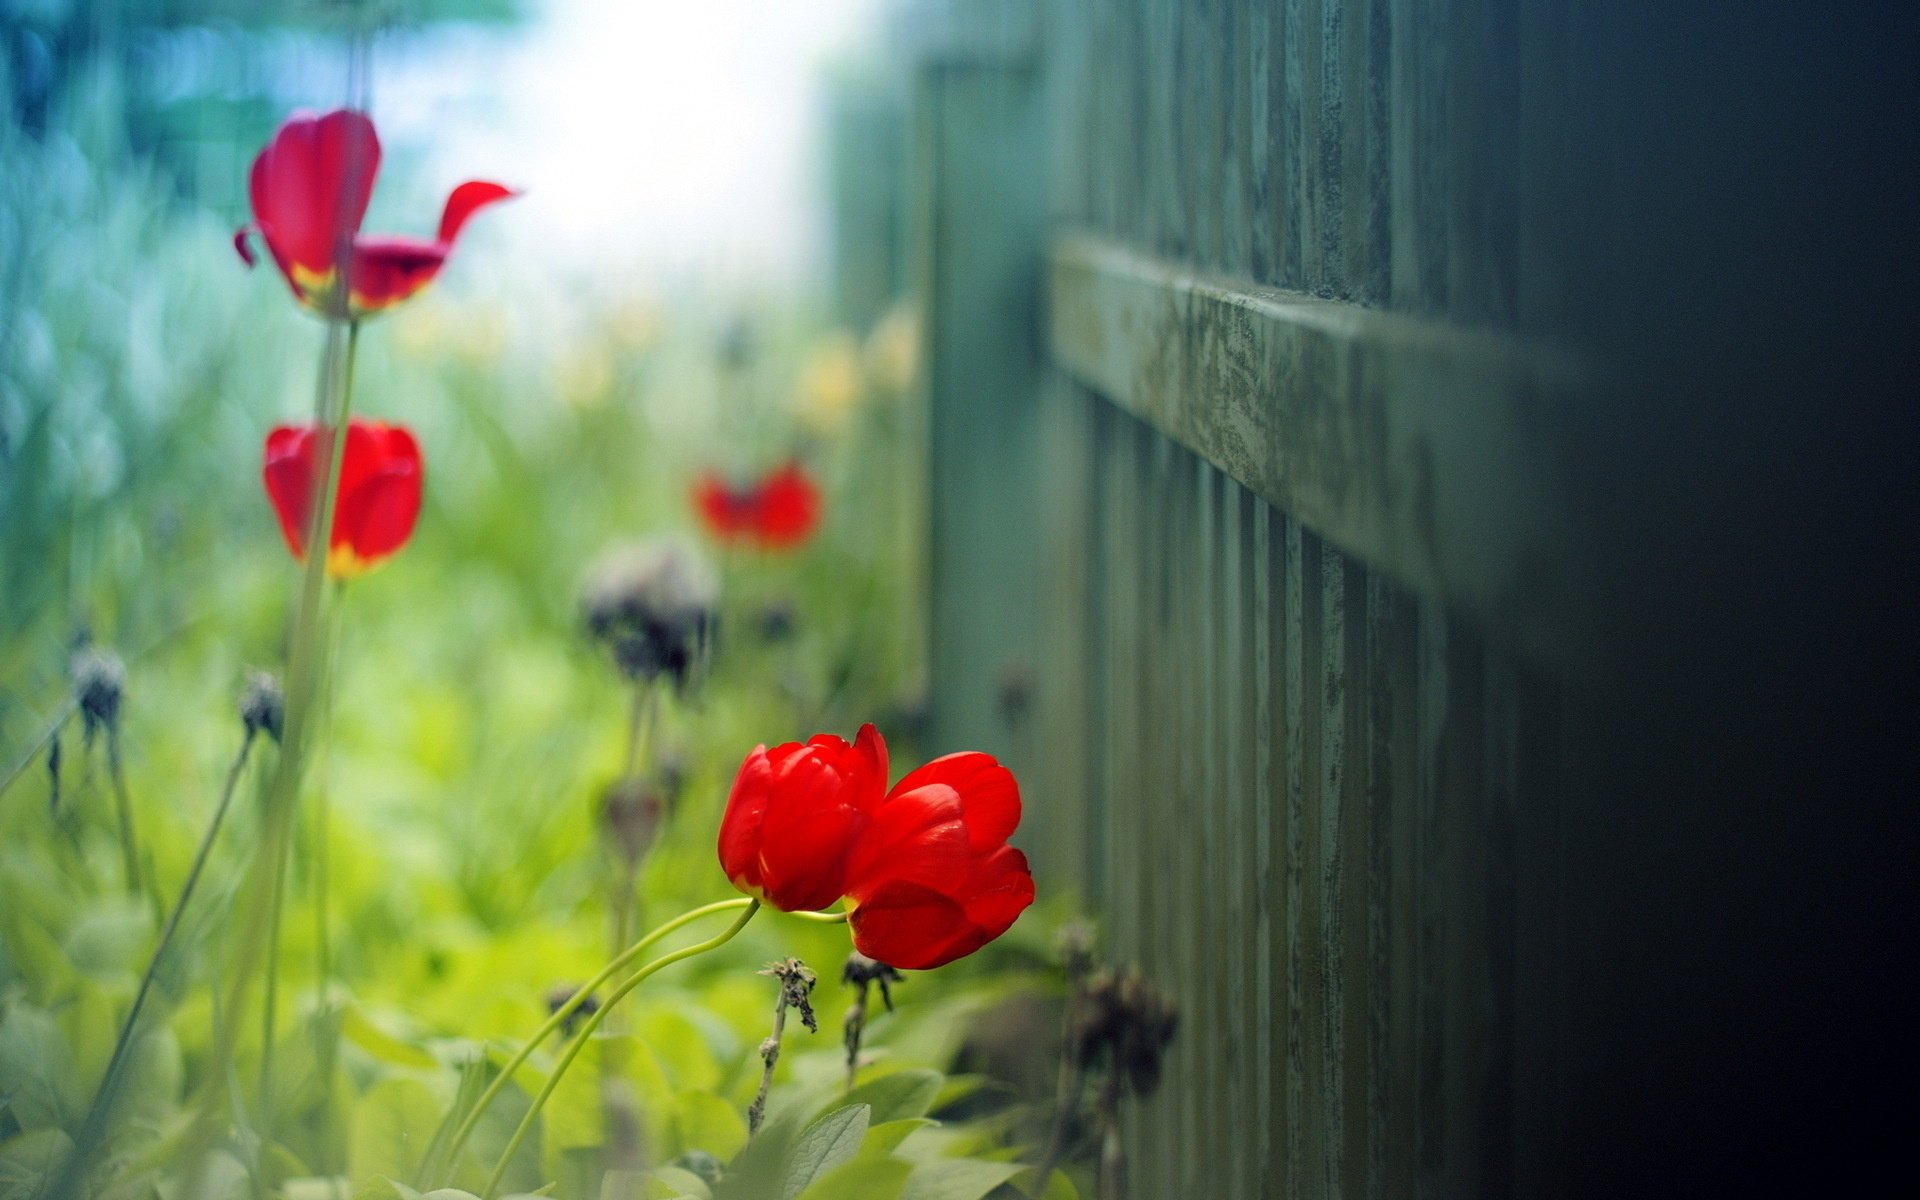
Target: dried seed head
[[670, 775], [775, 620], [99, 685], [263, 707], [861, 971], [796, 988], [630, 814], [654, 606], [1075, 942], [1123, 1015]]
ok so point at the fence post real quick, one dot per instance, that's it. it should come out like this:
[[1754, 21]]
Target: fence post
[[976, 227]]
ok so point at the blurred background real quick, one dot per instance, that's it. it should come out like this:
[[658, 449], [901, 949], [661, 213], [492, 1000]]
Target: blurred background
[[1415, 491]]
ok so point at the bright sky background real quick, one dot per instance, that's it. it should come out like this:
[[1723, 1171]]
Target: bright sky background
[[663, 136]]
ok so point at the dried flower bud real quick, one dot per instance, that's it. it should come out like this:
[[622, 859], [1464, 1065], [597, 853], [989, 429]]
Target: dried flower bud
[[263, 708], [99, 685], [631, 813], [796, 988], [654, 606], [1125, 1016]]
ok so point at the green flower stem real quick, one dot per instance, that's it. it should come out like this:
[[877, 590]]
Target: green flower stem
[[561, 1014], [306, 662], [593, 1023], [123, 807], [98, 1111]]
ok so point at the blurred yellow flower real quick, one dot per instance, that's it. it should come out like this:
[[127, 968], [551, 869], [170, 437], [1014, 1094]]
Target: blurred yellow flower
[[893, 350], [830, 383]]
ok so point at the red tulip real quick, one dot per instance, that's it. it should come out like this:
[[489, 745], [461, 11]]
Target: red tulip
[[793, 814], [777, 513], [379, 498], [310, 188], [925, 868], [931, 878]]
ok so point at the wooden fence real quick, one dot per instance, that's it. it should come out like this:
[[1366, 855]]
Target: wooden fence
[[1253, 442]]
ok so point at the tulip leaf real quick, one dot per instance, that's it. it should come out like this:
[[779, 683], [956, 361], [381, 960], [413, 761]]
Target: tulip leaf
[[824, 1145]]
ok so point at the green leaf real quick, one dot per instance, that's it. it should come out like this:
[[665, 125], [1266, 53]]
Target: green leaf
[[379, 1187], [359, 1030], [899, 1095], [678, 1181], [37, 1071], [28, 1160], [220, 1177], [391, 1130], [824, 1145], [707, 1122], [885, 1138], [958, 1179], [869, 1178]]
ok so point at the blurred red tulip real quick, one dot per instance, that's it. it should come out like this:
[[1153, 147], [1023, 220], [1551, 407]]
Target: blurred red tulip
[[310, 188], [925, 868], [778, 513], [380, 480]]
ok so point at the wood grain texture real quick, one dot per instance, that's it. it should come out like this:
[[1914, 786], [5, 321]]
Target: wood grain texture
[[1304, 592], [1415, 445]]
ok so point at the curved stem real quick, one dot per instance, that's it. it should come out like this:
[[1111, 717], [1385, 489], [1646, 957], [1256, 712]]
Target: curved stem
[[823, 918], [561, 1014], [593, 1022]]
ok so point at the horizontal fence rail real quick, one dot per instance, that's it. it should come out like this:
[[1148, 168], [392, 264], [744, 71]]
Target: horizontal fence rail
[[1412, 444]]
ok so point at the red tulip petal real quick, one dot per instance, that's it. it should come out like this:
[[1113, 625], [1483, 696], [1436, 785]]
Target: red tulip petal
[[740, 826], [873, 750], [988, 793], [242, 244], [787, 508], [465, 200], [288, 474], [914, 928], [389, 268], [380, 497], [309, 188], [999, 891], [914, 837]]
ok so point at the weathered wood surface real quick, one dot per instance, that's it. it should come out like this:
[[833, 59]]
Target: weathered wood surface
[[1295, 792], [1268, 499], [1417, 446]]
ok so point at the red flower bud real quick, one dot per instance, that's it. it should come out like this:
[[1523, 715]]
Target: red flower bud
[[778, 512], [309, 188], [379, 498]]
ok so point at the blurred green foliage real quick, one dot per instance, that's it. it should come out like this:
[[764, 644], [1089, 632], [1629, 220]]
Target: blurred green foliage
[[474, 728]]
